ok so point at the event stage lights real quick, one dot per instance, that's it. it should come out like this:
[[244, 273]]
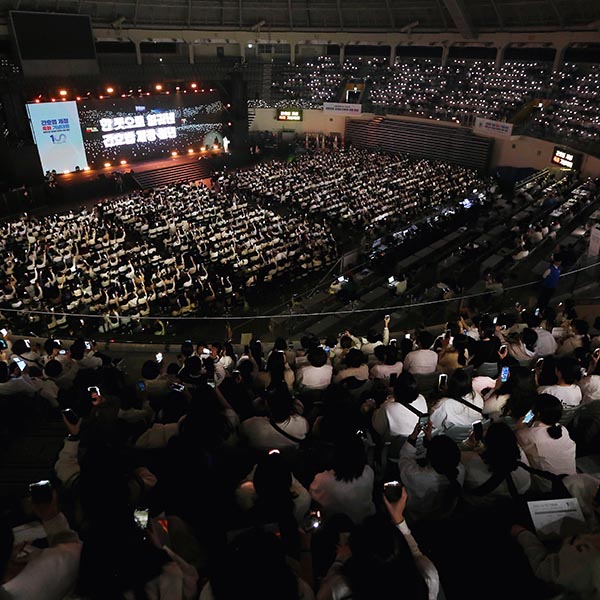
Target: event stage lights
[[110, 90], [158, 87], [62, 92]]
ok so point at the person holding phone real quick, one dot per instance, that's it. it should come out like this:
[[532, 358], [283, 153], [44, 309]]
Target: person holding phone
[[547, 443], [399, 414], [377, 552], [14, 379], [435, 486], [590, 383], [488, 471], [568, 374], [50, 572], [391, 364], [460, 406]]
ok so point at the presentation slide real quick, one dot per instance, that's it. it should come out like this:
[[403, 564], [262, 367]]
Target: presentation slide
[[135, 129], [57, 133]]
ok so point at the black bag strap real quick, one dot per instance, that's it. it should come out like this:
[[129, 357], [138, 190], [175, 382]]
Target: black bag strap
[[284, 433], [544, 474], [493, 482], [469, 405], [413, 410]]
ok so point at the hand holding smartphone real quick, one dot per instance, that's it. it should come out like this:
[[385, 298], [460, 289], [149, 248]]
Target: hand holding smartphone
[[528, 418], [392, 490], [442, 380]]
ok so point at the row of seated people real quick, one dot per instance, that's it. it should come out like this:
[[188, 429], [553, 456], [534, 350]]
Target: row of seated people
[[421, 86], [209, 478], [356, 187], [174, 250], [458, 90], [573, 110]]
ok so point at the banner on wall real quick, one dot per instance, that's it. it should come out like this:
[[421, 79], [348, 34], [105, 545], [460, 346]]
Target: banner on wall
[[498, 129], [340, 108], [57, 134]]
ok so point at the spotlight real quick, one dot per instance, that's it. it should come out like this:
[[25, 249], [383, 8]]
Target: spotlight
[[158, 87], [78, 98], [86, 168], [62, 92], [123, 162], [110, 90], [173, 153], [37, 100], [203, 149], [193, 85], [66, 172], [106, 165], [190, 151], [53, 99]]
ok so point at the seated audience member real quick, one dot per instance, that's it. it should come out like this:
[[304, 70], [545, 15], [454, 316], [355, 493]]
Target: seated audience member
[[513, 398], [545, 441], [317, 374], [374, 339], [25, 352], [453, 356], [84, 359], [590, 383], [433, 488], [277, 371], [13, 382], [44, 387], [486, 349], [574, 566], [522, 346], [460, 406], [52, 572], [354, 366], [346, 488], [577, 338], [568, 373], [381, 556], [255, 565], [282, 428], [546, 343], [271, 489], [391, 364], [136, 562], [156, 385], [423, 360], [494, 471], [395, 417]]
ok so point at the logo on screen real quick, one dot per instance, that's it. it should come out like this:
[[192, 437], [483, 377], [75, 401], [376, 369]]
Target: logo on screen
[[61, 138]]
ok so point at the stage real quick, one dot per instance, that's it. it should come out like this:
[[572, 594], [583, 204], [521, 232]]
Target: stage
[[87, 187]]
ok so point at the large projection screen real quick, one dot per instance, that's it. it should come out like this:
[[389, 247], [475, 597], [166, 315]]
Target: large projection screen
[[140, 128], [54, 44], [57, 134]]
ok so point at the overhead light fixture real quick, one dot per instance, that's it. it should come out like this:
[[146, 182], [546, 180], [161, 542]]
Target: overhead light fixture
[[62, 92]]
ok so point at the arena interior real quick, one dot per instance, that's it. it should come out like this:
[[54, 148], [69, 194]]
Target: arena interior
[[299, 299]]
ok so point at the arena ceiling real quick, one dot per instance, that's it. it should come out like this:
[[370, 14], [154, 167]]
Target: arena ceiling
[[465, 16]]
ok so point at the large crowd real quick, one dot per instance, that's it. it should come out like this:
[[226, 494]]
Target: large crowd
[[186, 250], [458, 91], [338, 468]]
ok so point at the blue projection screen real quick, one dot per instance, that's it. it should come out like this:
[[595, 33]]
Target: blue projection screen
[[57, 134]]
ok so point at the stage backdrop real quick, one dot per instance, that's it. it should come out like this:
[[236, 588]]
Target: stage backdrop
[[140, 128], [57, 134]]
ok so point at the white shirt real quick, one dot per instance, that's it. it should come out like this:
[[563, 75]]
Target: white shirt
[[450, 412], [393, 418], [477, 473], [315, 378], [590, 388], [569, 395], [17, 385], [361, 373], [546, 453], [384, 371], [352, 498], [546, 344], [261, 435], [425, 487], [421, 362]]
